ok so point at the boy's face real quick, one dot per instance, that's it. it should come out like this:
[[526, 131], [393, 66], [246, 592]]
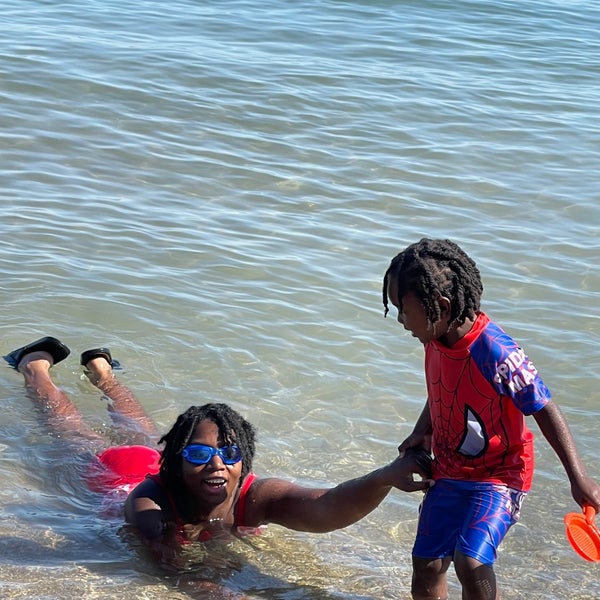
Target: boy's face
[[412, 315]]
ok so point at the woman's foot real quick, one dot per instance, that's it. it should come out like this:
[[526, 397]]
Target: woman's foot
[[46, 346], [34, 363], [98, 364]]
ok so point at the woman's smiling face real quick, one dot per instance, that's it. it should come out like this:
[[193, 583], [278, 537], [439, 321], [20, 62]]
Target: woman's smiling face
[[215, 481]]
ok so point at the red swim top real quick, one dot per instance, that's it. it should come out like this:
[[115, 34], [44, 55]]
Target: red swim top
[[479, 392], [240, 529]]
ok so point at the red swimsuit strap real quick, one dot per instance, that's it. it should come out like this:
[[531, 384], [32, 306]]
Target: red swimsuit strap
[[240, 512], [240, 509]]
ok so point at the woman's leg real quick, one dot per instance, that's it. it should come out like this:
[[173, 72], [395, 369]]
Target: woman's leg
[[62, 415], [125, 408]]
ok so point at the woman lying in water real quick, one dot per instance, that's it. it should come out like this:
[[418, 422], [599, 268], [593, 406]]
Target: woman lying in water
[[201, 486]]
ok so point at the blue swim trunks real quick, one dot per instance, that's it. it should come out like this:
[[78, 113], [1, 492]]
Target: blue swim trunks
[[471, 517]]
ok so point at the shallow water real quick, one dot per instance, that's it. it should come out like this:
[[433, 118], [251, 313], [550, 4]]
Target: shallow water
[[215, 190]]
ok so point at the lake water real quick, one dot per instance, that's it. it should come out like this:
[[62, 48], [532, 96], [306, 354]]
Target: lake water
[[215, 189]]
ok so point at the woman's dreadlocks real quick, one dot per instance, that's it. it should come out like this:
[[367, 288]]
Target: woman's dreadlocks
[[233, 429]]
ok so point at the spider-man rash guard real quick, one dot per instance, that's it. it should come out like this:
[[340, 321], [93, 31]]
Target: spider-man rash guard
[[479, 392]]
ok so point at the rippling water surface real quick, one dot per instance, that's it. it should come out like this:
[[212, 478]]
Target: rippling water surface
[[214, 190]]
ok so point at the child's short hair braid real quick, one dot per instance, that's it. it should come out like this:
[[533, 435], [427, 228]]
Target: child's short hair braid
[[432, 268]]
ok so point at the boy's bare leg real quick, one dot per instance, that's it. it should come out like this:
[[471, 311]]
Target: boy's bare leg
[[429, 578], [125, 409], [62, 415], [478, 580]]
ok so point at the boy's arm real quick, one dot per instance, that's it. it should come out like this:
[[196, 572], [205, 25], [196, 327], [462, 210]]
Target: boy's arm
[[421, 434], [555, 429]]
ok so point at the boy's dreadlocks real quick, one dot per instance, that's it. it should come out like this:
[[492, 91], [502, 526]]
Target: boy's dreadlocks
[[233, 428], [433, 268]]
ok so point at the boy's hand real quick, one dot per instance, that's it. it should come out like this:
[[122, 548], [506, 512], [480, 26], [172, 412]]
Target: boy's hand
[[587, 491], [414, 462], [416, 441]]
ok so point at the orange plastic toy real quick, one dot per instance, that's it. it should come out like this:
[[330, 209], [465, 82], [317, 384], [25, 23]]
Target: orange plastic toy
[[583, 534]]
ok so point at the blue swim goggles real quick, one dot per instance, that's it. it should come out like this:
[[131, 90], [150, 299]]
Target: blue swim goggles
[[200, 454]]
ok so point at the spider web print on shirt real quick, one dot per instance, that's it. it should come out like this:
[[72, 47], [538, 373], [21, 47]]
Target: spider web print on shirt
[[479, 392]]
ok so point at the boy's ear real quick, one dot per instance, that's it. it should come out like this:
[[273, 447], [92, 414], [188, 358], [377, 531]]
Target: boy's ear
[[445, 305]]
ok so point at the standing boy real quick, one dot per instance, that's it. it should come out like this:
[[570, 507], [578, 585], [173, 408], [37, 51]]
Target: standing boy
[[480, 387]]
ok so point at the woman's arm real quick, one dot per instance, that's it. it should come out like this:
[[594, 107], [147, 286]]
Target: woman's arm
[[319, 510], [143, 510]]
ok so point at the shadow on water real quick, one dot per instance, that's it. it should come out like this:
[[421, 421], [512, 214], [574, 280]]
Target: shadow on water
[[230, 570], [71, 567]]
